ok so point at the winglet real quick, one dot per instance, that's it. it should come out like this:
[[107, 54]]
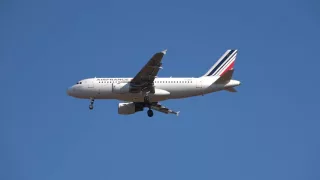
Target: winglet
[[177, 113], [164, 51]]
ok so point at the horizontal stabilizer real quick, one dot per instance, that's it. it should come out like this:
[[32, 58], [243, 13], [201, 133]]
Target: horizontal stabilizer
[[230, 89]]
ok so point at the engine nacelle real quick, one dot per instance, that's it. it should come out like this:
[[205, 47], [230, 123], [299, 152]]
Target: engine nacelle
[[120, 88], [128, 108]]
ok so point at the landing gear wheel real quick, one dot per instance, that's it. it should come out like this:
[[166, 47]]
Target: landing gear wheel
[[150, 113], [91, 103]]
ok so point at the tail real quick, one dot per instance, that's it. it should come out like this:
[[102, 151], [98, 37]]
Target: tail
[[224, 64]]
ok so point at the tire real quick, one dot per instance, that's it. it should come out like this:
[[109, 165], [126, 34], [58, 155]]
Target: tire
[[90, 106], [150, 113]]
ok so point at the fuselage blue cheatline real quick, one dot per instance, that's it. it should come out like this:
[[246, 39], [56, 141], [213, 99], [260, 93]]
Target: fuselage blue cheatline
[[146, 90]]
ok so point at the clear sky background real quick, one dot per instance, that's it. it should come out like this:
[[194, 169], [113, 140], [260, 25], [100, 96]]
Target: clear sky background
[[268, 130]]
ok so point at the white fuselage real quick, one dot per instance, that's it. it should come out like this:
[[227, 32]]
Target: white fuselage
[[165, 88]]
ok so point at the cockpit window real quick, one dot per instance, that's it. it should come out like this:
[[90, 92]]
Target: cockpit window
[[79, 82]]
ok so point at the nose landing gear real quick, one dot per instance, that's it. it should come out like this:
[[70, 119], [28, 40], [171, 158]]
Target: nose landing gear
[[91, 103]]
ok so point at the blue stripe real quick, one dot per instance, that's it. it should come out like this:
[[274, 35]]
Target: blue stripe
[[223, 60], [224, 65]]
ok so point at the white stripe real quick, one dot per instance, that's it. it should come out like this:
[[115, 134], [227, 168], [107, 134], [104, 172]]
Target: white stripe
[[215, 64], [221, 67], [224, 68]]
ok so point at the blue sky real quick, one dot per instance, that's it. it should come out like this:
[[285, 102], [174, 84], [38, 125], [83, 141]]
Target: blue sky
[[268, 130]]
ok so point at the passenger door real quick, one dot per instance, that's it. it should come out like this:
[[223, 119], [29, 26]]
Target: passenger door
[[199, 83], [90, 84], [93, 88]]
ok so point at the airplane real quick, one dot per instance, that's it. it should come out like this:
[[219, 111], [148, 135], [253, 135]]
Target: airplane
[[146, 89]]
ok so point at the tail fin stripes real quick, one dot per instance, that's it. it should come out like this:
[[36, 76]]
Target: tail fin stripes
[[225, 63]]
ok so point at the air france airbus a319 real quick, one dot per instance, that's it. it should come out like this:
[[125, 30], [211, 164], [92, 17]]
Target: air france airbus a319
[[146, 90]]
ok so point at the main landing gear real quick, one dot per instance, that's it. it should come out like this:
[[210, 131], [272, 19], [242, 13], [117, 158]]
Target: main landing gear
[[148, 104], [91, 103], [150, 113]]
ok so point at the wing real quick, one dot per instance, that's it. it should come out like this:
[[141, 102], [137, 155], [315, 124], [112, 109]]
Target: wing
[[144, 79], [160, 108]]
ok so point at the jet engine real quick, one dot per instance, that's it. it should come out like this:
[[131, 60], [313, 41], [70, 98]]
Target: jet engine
[[129, 108]]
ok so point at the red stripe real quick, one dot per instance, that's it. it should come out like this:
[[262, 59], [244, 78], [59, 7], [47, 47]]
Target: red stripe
[[228, 68]]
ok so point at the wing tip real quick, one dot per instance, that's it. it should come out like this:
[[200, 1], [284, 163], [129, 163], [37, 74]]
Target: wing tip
[[164, 51]]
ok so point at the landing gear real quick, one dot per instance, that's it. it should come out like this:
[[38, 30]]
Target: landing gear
[[150, 113], [91, 103], [146, 99], [148, 104]]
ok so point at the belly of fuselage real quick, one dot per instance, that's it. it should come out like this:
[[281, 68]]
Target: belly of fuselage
[[107, 93]]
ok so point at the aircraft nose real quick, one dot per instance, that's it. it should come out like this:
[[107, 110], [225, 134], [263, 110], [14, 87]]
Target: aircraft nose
[[69, 91]]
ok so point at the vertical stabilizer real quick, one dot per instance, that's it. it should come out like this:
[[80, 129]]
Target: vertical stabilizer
[[224, 64]]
